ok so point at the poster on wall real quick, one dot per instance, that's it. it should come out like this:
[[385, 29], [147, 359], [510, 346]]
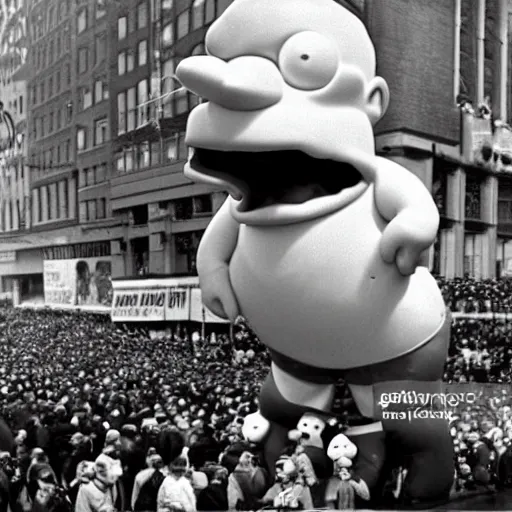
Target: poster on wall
[[78, 282], [59, 283]]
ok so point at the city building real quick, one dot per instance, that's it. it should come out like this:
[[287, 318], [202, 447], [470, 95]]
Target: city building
[[101, 193], [163, 214], [449, 76], [14, 175]]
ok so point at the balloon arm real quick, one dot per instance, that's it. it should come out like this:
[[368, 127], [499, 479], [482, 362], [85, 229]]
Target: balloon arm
[[403, 200], [400, 195], [219, 241]]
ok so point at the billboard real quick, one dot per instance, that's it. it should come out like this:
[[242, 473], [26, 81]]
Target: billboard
[[78, 282], [157, 300]]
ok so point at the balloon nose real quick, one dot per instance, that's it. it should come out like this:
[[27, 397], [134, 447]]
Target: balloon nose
[[244, 83]]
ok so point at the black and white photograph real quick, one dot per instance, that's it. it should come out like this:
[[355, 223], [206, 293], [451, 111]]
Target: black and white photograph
[[255, 255]]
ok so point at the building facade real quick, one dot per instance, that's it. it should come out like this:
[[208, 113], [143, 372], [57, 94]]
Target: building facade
[[101, 193], [162, 213]]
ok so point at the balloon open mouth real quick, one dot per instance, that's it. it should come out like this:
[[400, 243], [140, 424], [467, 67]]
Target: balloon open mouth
[[271, 178]]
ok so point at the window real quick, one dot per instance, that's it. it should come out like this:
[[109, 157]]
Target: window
[[50, 87], [83, 57], [100, 131], [101, 210], [82, 178], [69, 112], [198, 14], [142, 97], [68, 150], [59, 44], [21, 104], [143, 52], [100, 91], [131, 109], [91, 209], [101, 173], [121, 112], [57, 82], [101, 8], [50, 121], [67, 69], [144, 156], [183, 24], [168, 35], [83, 211], [171, 149], [59, 119], [130, 61], [167, 5], [90, 176], [100, 45], [142, 15], [82, 20], [121, 28], [81, 139], [128, 159], [209, 11], [121, 63], [156, 151], [120, 168], [85, 98]]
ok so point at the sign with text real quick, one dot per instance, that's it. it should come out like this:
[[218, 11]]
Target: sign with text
[[139, 305], [157, 300], [59, 283], [7, 256], [178, 304]]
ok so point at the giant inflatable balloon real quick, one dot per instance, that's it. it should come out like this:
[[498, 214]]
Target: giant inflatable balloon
[[321, 244]]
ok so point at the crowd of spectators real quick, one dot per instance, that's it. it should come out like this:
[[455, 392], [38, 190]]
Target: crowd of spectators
[[74, 386]]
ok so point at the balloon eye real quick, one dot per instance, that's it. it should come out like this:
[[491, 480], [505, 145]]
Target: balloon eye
[[309, 61]]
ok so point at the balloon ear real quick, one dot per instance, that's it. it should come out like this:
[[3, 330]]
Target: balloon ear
[[377, 101]]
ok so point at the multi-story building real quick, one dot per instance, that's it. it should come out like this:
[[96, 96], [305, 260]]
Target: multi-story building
[[162, 212], [106, 142], [14, 175]]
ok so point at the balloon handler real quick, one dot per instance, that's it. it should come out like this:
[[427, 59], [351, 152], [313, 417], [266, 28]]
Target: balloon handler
[[321, 244]]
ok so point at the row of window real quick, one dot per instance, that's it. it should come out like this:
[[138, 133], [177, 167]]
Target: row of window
[[100, 135], [85, 61], [201, 13], [56, 120], [51, 202], [51, 157], [46, 88], [46, 53], [126, 59], [88, 95], [12, 215], [133, 111], [43, 20], [94, 209], [150, 154], [92, 175], [82, 19], [130, 23]]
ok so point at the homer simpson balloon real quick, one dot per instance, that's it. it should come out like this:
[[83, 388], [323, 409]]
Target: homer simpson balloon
[[321, 244]]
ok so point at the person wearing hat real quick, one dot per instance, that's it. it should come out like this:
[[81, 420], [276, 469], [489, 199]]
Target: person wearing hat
[[176, 492], [100, 494]]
